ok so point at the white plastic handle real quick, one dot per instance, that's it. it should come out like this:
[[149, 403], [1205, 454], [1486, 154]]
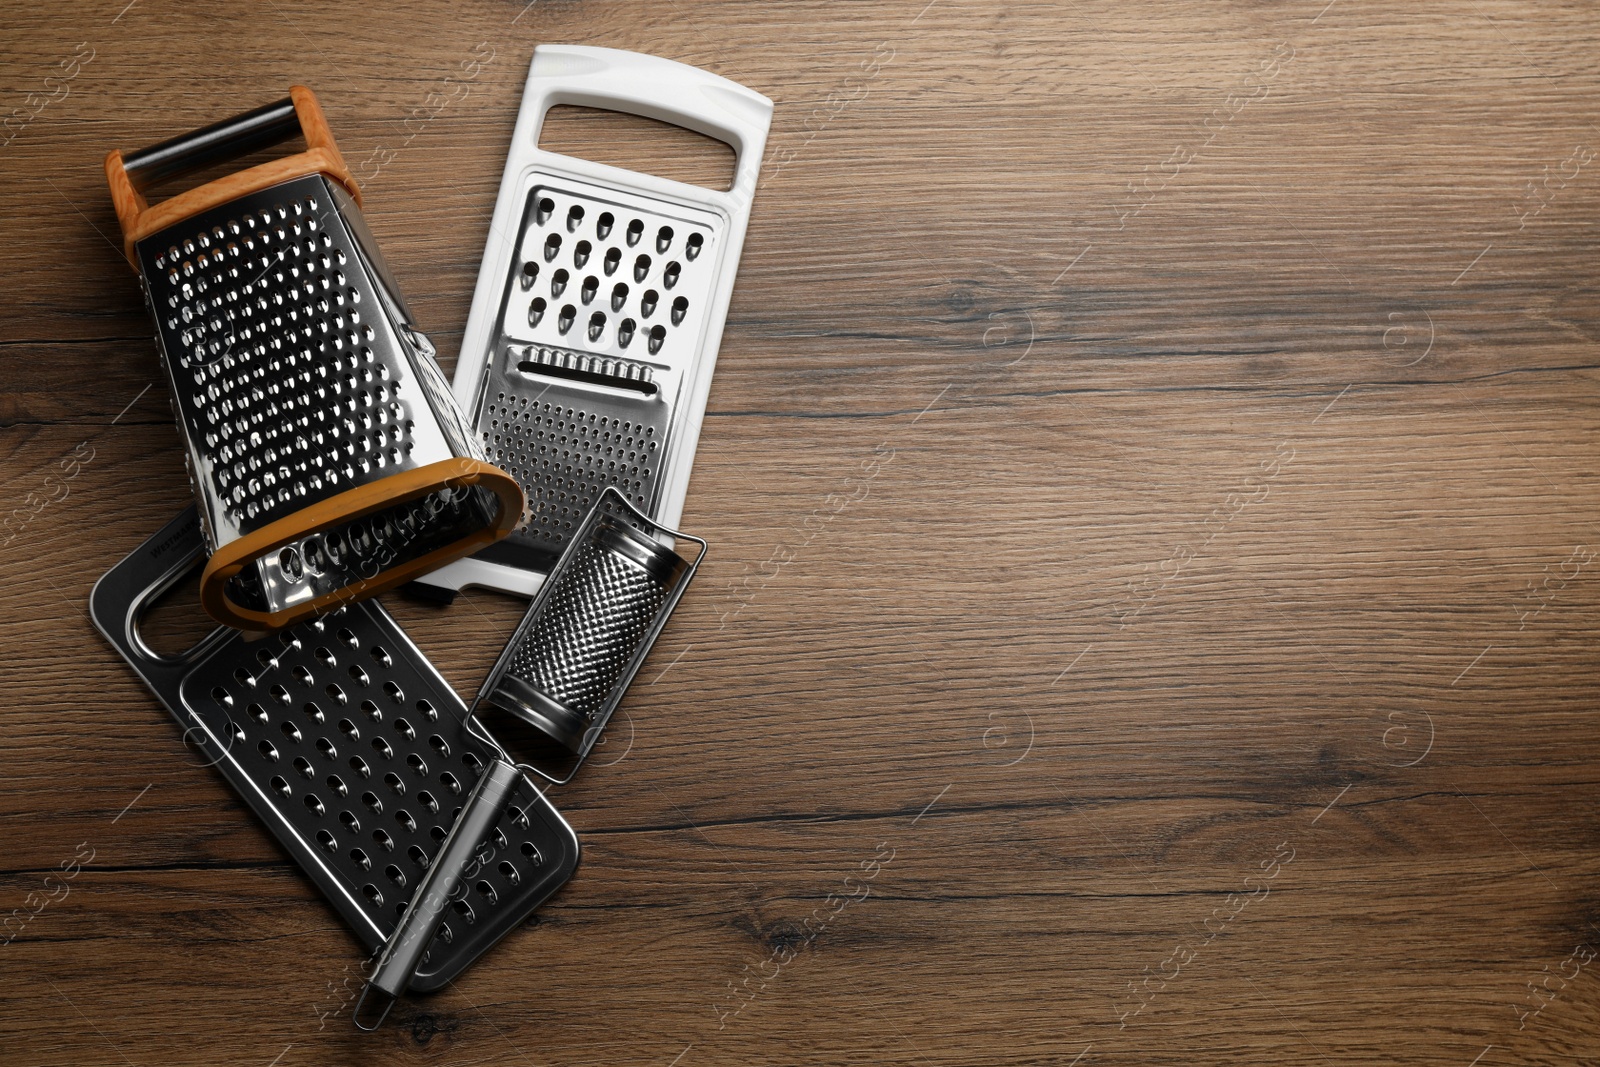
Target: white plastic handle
[[655, 88]]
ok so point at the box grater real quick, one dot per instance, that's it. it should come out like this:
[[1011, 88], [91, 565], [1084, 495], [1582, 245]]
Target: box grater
[[328, 456], [353, 751], [599, 307]]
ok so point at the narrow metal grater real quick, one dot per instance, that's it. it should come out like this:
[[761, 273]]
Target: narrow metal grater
[[599, 307], [351, 749], [328, 455], [589, 628]]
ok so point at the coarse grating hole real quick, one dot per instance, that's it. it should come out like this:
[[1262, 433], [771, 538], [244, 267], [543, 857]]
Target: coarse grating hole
[[258, 713], [370, 799], [268, 751], [327, 841], [396, 694], [428, 711], [405, 729], [303, 766], [439, 744], [384, 841], [396, 875], [419, 857], [359, 765], [403, 817], [291, 731], [417, 764], [280, 786], [349, 729], [427, 800], [372, 711], [325, 747], [313, 711], [450, 782], [359, 676], [314, 804], [370, 891], [509, 872], [392, 780], [382, 747], [529, 850], [380, 656], [361, 859], [464, 910], [487, 891], [326, 658], [349, 821]]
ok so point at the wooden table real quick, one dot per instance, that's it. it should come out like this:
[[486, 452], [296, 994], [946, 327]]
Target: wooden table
[[1151, 482]]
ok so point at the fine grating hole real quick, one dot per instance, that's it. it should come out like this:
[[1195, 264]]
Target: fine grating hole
[[568, 316], [243, 677], [536, 310], [471, 760], [545, 209], [348, 820], [280, 786], [603, 224], [336, 694], [658, 334], [648, 302], [327, 841], [641, 267], [302, 675], [499, 838], [359, 765], [558, 282], [663, 238], [265, 657], [671, 274], [574, 218], [361, 859], [635, 231], [612, 259], [693, 245], [580, 254], [438, 833], [303, 765], [680, 307]]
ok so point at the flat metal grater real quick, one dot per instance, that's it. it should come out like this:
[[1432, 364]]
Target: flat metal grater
[[353, 751], [599, 308], [327, 453]]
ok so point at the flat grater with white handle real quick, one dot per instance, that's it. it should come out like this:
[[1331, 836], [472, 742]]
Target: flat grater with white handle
[[599, 308], [352, 750], [328, 455]]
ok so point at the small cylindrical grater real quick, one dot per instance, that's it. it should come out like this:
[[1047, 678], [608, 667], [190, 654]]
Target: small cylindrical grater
[[328, 456], [600, 304], [355, 754], [590, 626]]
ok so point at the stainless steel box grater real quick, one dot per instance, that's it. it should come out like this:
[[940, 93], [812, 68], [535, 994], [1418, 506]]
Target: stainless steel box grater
[[351, 749], [600, 305], [328, 456], [589, 628]]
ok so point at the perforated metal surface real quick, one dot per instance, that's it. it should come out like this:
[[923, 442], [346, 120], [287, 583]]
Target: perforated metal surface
[[599, 328], [295, 371], [353, 751], [589, 628]]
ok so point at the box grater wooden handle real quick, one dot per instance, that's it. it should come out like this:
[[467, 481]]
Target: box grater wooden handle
[[129, 175]]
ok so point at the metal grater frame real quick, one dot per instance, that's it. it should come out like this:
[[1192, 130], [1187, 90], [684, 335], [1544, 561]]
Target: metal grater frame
[[352, 750], [600, 305]]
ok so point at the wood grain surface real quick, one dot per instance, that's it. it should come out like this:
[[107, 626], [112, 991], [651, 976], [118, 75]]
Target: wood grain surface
[[1150, 475]]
